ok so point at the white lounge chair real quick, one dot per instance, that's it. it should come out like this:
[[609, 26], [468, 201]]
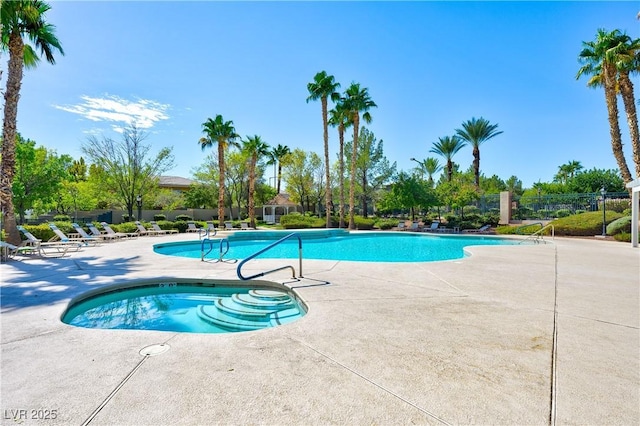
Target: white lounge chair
[[65, 239], [144, 231], [48, 249], [228, 226], [433, 227], [9, 251], [110, 231], [159, 230], [245, 226], [191, 227], [485, 229], [104, 235], [80, 231]]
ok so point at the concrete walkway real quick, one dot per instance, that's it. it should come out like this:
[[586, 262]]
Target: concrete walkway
[[458, 342]]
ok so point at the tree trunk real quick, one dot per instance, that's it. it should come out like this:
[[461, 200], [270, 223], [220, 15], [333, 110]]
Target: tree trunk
[[365, 207], [11, 97], [449, 170], [252, 189], [352, 180], [626, 90], [341, 177], [325, 129], [476, 166], [279, 176], [221, 184], [609, 74]]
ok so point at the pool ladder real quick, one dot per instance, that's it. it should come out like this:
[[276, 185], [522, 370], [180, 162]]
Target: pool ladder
[[269, 247], [223, 247]]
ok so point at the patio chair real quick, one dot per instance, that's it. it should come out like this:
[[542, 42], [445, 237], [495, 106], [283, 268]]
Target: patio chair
[[65, 239], [110, 231], [415, 226], [228, 226], [144, 231], [433, 227], [156, 227], [80, 231], [191, 227], [47, 249], [245, 226], [401, 226], [485, 229], [9, 251], [104, 235]]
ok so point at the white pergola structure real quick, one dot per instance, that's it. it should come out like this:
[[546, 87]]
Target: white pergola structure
[[279, 206], [635, 206]]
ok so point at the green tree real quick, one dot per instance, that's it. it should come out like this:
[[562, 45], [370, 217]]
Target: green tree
[[222, 133], [592, 180], [256, 148], [475, 132], [447, 147], [408, 193], [126, 166], [340, 119], [457, 194], [373, 169], [430, 166], [356, 101], [323, 87], [598, 63], [514, 185], [202, 193], [567, 171], [20, 19], [39, 176], [237, 181], [299, 173]]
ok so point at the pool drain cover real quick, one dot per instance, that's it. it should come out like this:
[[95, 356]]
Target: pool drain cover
[[154, 350]]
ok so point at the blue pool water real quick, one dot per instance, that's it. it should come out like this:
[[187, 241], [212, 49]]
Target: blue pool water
[[339, 245], [186, 307]]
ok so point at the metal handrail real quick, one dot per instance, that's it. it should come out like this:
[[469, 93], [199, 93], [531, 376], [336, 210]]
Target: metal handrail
[[221, 251], [538, 234], [269, 247]]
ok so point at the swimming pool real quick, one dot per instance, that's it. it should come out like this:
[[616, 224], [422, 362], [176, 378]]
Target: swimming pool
[[340, 245], [186, 306]]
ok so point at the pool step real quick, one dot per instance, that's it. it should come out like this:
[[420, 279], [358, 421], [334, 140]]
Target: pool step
[[250, 311]]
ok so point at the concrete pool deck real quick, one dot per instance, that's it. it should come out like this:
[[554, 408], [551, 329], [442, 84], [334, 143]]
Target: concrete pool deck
[[456, 342]]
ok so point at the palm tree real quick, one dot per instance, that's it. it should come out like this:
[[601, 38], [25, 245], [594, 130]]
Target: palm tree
[[20, 19], [627, 59], [475, 132], [340, 118], [277, 154], [222, 133], [356, 101], [447, 147], [431, 166], [322, 87], [256, 148], [598, 59]]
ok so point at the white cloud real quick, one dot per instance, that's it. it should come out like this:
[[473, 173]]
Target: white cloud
[[119, 112]]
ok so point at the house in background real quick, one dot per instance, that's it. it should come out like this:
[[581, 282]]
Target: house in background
[[175, 183]]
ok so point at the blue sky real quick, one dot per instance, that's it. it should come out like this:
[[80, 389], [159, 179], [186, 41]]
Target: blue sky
[[429, 66]]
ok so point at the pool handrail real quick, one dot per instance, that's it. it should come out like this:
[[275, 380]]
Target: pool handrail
[[269, 247]]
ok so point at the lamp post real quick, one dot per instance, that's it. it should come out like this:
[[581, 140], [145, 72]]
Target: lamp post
[[421, 167], [139, 202], [603, 192]]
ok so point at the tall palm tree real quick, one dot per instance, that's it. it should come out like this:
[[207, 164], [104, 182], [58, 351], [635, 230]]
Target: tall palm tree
[[447, 147], [20, 19], [339, 117], [475, 132], [256, 148], [356, 100], [627, 60], [278, 153], [323, 87], [222, 133], [598, 59]]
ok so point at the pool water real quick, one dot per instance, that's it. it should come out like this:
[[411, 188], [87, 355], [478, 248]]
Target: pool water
[[361, 247], [186, 308]]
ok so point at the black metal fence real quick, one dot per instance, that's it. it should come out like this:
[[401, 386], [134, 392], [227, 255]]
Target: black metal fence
[[550, 206]]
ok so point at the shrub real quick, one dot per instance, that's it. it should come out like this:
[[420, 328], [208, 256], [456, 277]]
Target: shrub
[[386, 223], [625, 237], [62, 218], [158, 217], [562, 213], [298, 221], [363, 223], [183, 218], [620, 225], [585, 224], [127, 218], [42, 231]]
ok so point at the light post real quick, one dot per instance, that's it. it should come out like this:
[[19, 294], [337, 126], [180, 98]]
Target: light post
[[604, 211], [139, 202], [421, 167]]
